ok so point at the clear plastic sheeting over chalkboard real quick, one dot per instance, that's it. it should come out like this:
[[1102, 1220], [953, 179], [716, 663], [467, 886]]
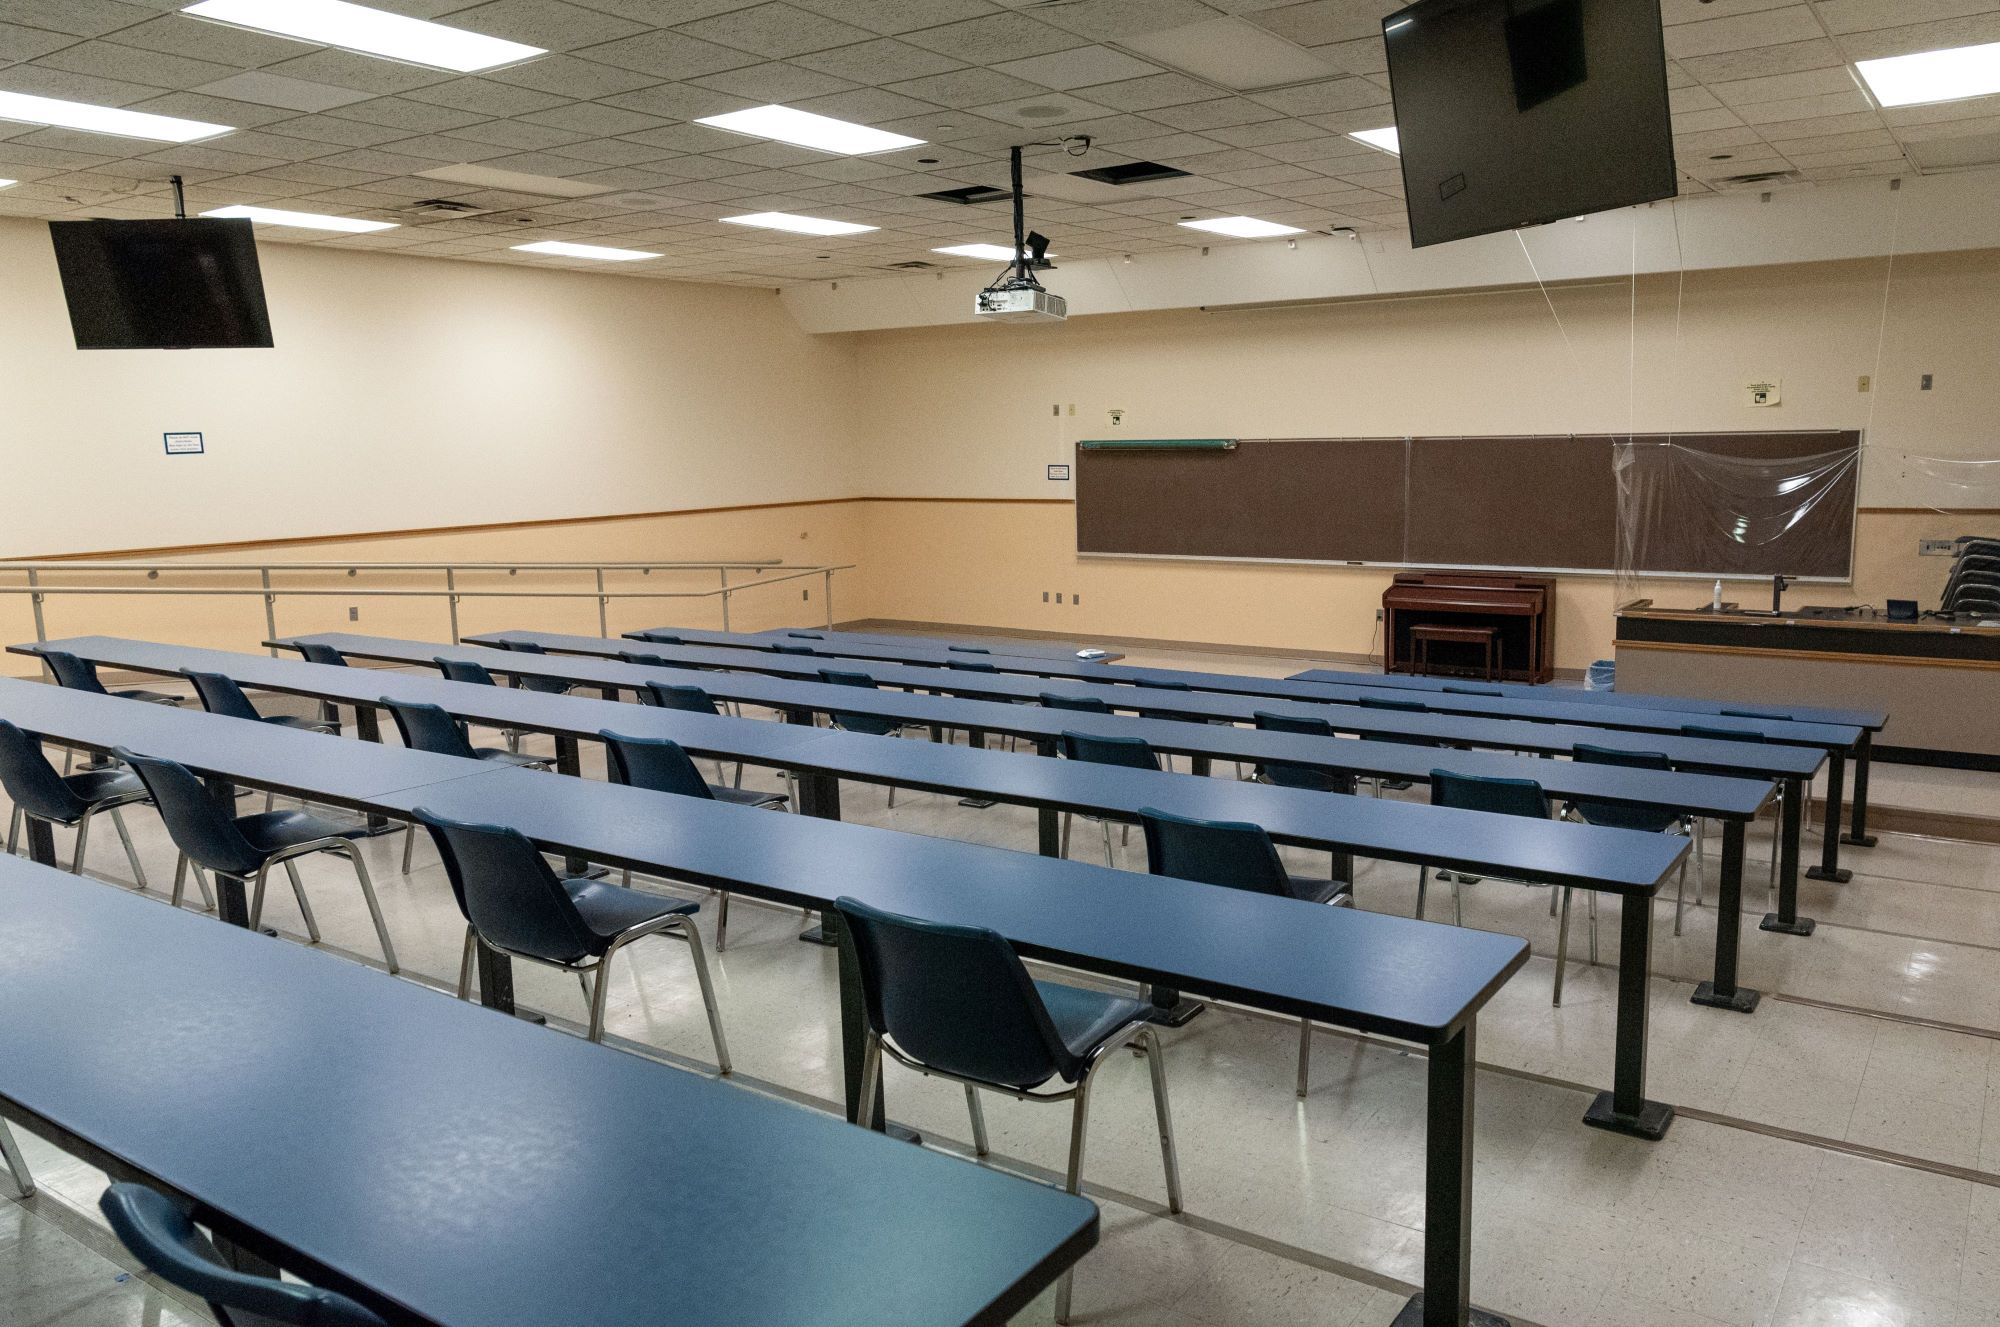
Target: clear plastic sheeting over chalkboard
[[1952, 486], [1685, 509]]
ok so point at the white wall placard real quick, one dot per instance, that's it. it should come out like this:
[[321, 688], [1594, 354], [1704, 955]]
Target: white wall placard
[[184, 444]]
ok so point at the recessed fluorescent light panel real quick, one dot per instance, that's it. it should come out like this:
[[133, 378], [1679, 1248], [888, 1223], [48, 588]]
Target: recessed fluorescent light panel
[[1386, 139], [104, 119], [1926, 76], [1232, 52], [782, 124], [275, 216], [8, 183], [370, 32], [564, 249], [998, 253], [798, 225], [1243, 228]]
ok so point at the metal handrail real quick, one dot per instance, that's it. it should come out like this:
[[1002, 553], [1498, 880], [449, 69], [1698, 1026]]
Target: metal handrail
[[451, 591]]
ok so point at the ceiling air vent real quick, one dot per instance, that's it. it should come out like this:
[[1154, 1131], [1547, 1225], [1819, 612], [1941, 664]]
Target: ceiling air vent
[[971, 193], [441, 209], [1131, 172], [1755, 178]]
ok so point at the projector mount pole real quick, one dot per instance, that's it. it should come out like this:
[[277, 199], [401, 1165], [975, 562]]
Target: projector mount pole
[[180, 200], [1020, 219]]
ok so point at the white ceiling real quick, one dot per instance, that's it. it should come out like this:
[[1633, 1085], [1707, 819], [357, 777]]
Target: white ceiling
[[1758, 85]]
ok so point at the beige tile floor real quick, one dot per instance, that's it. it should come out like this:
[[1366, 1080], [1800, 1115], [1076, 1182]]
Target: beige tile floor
[[1837, 1160]]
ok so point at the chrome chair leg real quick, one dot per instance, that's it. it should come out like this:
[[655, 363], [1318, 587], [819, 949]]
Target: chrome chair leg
[[1590, 906], [181, 870], [1073, 1183], [22, 1181], [1149, 1041], [1110, 856], [409, 845], [1458, 900], [1552, 903], [693, 935], [1423, 888], [1680, 892], [299, 893], [82, 838], [131, 856], [978, 1113], [14, 831], [1562, 946], [465, 964], [1065, 835], [352, 852], [1305, 1055], [871, 1079], [721, 921]]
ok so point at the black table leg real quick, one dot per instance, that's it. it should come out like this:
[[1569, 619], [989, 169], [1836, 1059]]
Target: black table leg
[[496, 980], [1199, 765], [1446, 1297], [1864, 756], [41, 840], [819, 795], [1048, 829], [1624, 1109], [368, 727], [608, 693], [1723, 992], [1829, 867], [1786, 919], [232, 901]]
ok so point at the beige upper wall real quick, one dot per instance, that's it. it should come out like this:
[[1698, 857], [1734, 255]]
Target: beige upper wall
[[412, 393]]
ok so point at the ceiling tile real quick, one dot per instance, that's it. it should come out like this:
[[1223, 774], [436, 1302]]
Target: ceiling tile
[[552, 25], [567, 76], [1079, 67], [776, 30], [670, 55], [997, 37], [776, 81], [1765, 27], [292, 94]]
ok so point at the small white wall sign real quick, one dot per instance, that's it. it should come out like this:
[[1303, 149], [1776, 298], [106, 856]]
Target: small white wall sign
[[1059, 472], [1760, 392], [183, 444]]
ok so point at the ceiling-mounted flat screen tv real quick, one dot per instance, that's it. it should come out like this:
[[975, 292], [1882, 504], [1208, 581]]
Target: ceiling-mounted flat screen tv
[[1516, 112], [162, 285]]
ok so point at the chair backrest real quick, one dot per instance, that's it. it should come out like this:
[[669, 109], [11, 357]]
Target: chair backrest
[[1719, 734], [31, 782], [1757, 714], [1452, 690], [1391, 703], [1129, 752], [956, 998], [553, 686], [782, 648], [1586, 754], [198, 827], [645, 660], [507, 891], [692, 699], [429, 728], [1162, 686], [805, 635], [464, 670], [221, 695], [874, 725], [970, 666], [660, 637], [319, 652], [167, 1244], [1055, 700], [1298, 776], [967, 649], [1480, 792], [656, 763], [73, 672], [1232, 853]]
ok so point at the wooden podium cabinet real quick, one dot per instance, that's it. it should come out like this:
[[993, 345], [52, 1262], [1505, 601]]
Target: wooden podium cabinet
[[1519, 609]]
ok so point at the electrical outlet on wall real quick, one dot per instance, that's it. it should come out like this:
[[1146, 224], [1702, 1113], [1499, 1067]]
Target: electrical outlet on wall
[[353, 614], [1936, 548]]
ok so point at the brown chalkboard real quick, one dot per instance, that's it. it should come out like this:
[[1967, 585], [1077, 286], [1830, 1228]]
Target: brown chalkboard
[[1529, 503]]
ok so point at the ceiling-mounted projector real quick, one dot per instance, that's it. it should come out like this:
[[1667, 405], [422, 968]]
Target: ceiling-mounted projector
[[1021, 304]]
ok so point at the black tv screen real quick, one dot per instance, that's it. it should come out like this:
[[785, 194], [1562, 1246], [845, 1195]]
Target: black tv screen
[[1516, 112], [162, 285]]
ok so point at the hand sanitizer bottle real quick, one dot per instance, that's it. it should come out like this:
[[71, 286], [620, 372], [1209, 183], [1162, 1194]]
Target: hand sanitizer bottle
[[1716, 603]]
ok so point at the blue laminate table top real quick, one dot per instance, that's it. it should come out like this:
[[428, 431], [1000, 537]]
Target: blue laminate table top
[[1415, 980], [960, 771], [1873, 720], [472, 1170], [867, 645], [1210, 695], [788, 691]]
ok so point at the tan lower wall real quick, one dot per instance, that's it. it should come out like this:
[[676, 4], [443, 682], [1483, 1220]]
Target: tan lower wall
[[976, 562], [815, 533]]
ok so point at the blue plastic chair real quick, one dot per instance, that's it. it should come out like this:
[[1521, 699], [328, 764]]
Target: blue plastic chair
[[430, 728], [660, 764], [1055, 700], [693, 700], [319, 652], [167, 1244], [868, 724], [1645, 819], [781, 647], [1299, 776], [957, 1002], [1125, 752], [1719, 734], [79, 674], [247, 847], [221, 695], [473, 673], [1400, 739], [1506, 797], [659, 637], [806, 635], [69, 800], [548, 686], [1236, 855], [514, 904]]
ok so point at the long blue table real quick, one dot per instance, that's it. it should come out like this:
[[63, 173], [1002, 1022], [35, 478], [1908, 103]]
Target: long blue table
[[1411, 980], [451, 1168], [1553, 852], [1794, 765], [868, 645]]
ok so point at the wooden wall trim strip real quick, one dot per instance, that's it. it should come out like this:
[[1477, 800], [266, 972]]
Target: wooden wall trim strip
[[1907, 661]]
